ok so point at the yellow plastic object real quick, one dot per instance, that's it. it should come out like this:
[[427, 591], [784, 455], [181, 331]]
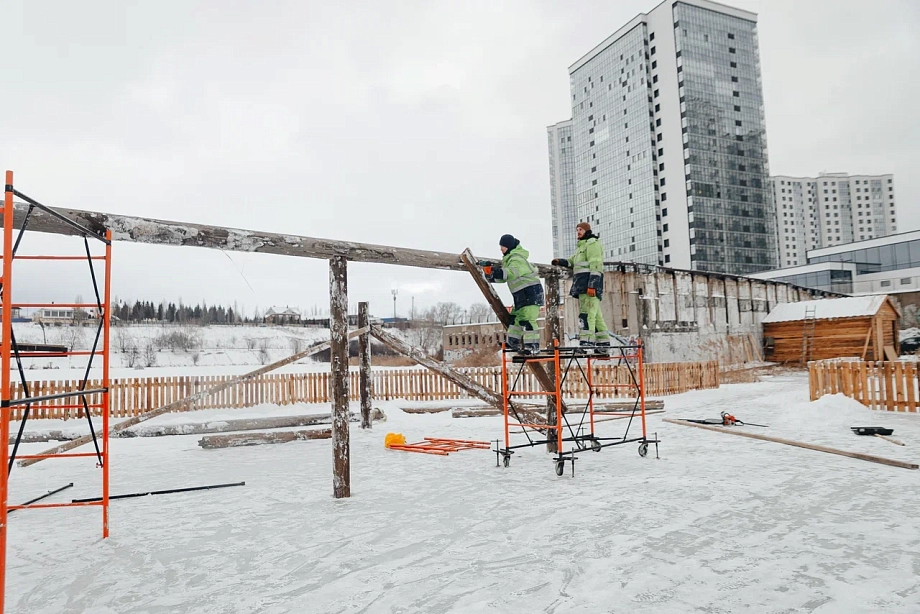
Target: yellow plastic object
[[394, 439]]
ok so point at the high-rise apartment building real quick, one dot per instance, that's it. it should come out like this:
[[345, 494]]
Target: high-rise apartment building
[[562, 188], [831, 209], [670, 152]]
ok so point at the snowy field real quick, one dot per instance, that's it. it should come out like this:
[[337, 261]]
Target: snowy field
[[152, 350], [209, 346], [719, 524]]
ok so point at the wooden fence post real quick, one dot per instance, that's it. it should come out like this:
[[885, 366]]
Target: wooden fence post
[[364, 352], [338, 326]]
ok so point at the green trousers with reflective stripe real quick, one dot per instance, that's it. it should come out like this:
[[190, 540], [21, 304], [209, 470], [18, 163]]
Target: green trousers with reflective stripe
[[592, 328], [524, 327]]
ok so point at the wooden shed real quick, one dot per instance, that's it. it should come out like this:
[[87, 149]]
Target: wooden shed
[[859, 326]]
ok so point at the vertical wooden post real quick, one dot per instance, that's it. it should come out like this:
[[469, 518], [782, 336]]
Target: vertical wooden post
[[364, 353], [553, 334], [338, 358]]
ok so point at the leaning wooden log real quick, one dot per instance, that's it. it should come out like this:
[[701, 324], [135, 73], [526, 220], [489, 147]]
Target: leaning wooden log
[[177, 405], [495, 301], [258, 439], [163, 232], [448, 372], [799, 444]]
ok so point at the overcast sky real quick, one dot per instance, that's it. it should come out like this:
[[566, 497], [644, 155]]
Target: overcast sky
[[418, 124]]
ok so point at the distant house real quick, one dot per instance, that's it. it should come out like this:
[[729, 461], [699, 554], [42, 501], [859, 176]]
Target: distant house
[[61, 316], [287, 315]]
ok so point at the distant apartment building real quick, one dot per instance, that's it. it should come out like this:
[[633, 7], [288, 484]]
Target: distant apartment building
[[830, 209], [562, 188], [668, 142]]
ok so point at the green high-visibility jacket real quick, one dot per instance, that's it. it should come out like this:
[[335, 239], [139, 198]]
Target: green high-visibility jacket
[[521, 276], [588, 266]]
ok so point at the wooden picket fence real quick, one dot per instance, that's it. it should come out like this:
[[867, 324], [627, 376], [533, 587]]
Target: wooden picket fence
[[891, 386], [134, 396]]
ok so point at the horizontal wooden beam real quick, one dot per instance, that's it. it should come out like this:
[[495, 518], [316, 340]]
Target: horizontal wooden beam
[[164, 232]]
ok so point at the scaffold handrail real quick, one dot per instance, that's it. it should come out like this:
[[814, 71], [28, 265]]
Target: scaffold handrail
[[51, 397]]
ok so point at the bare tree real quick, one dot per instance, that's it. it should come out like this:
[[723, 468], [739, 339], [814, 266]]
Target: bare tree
[[150, 354], [447, 313], [297, 344], [262, 354], [480, 312], [426, 332]]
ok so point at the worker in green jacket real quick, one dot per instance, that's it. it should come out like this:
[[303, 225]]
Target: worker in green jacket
[[524, 282], [588, 286]]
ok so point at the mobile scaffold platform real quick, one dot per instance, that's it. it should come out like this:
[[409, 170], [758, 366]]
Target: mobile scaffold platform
[[574, 368]]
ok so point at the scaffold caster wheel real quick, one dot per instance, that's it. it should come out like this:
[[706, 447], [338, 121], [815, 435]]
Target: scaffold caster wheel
[[643, 449], [506, 460], [596, 446], [560, 467]]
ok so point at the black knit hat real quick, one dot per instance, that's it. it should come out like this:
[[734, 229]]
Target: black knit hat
[[508, 241]]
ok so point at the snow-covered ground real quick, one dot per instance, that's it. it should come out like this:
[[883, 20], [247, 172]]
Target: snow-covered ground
[[718, 524]]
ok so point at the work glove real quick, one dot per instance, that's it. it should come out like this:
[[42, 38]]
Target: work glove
[[592, 292], [560, 262], [487, 269]]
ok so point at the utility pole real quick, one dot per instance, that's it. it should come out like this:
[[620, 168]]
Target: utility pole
[[412, 316], [395, 292]]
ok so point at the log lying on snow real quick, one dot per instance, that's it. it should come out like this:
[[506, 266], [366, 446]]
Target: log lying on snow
[[258, 439], [465, 413], [176, 405], [245, 424], [427, 410], [46, 436], [799, 444], [620, 408]]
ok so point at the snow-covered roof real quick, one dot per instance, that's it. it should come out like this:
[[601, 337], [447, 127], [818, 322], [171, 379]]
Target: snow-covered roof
[[828, 309], [289, 311]]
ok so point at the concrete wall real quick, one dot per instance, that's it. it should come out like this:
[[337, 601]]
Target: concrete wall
[[688, 316]]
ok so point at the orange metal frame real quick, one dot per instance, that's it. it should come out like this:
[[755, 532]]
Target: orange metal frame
[[7, 351], [557, 395], [557, 430], [441, 447], [638, 386]]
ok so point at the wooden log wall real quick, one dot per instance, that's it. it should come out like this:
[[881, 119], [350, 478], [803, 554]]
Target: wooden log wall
[[889, 386], [134, 396]]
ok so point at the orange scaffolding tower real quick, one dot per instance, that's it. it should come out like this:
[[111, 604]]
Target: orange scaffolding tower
[[580, 432], [10, 352]]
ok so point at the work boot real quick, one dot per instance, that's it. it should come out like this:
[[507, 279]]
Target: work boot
[[530, 349], [585, 347], [513, 344], [602, 348]]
